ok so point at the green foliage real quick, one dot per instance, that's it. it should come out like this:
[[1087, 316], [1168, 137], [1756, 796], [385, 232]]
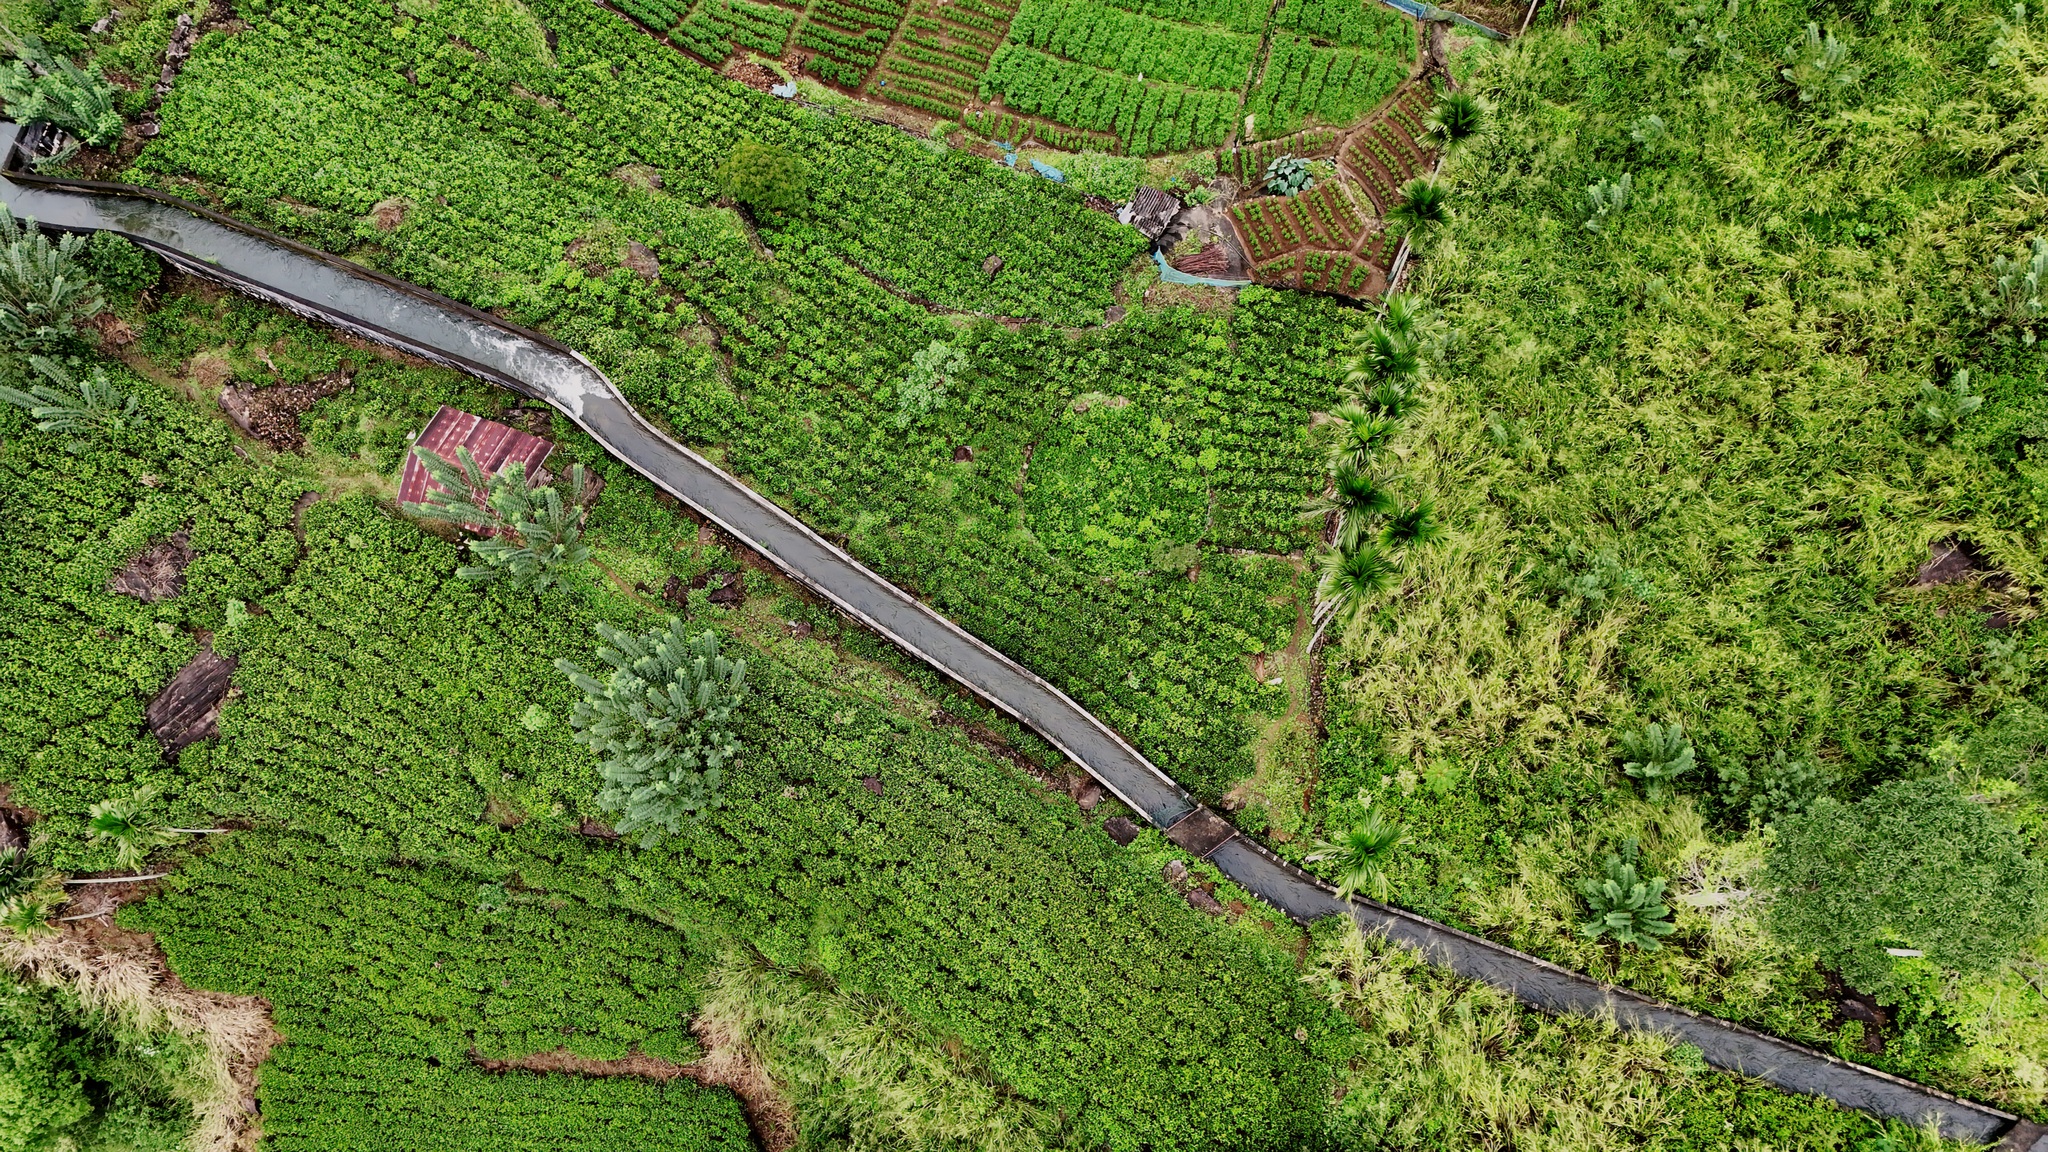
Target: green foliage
[[1626, 906], [532, 535], [1288, 176], [2014, 297], [765, 178], [662, 722], [1784, 785], [1353, 581], [1306, 83], [393, 981], [64, 403], [1363, 435], [44, 292], [1656, 755], [1914, 865], [1361, 854], [1817, 68], [39, 84]]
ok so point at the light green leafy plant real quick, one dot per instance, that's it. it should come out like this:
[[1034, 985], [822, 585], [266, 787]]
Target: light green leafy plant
[[1656, 755], [1606, 200], [765, 178], [662, 724], [923, 387], [1941, 411], [1625, 905], [124, 822], [1817, 68], [2014, 298], [532, 535], [1287, 176]]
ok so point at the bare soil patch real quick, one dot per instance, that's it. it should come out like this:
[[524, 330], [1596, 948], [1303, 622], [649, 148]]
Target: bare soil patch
[[272, 414], [157, 572]]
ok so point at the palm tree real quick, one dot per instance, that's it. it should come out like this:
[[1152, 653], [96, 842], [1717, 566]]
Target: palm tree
[[1456, 119], [1352, 581], [1361, 854], [1412, 527], [1391, 400], [1425, 207], [1357, 499], [1362, 435], [66, 404]]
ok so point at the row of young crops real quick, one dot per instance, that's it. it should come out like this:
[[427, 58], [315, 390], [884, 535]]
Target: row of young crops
[[1148, 76]]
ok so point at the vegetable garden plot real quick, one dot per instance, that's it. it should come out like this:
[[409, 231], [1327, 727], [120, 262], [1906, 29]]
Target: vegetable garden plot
[[1011, 128], [1303, 82], [1351, 23], [848, 37], [716, 29], [1145, 115], [941, 53]]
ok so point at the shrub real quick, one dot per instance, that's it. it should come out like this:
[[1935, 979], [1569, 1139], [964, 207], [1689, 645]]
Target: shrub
[[533, 535], [1782, 786], [662, 723], [121, 265], [1626, 906], [765, 178], [1657, 755], [1915, 865], [44, 293]]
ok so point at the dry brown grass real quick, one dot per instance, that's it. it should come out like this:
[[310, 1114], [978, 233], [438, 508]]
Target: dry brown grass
[[122, 975]]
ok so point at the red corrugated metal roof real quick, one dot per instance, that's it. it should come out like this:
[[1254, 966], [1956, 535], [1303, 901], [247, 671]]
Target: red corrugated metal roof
[[494, 445]]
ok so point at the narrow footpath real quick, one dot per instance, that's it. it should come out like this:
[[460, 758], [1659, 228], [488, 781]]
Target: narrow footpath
[[326, 288]]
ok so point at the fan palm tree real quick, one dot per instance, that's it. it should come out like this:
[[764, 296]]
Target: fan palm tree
[[1383, 354], [1412, 527], [1455, 120], [1352, 581], [1362, 435], [1357, 499], [531, 535], [1425, 206], [1361, 854]]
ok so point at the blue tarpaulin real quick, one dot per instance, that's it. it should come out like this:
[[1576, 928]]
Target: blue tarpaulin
[[1049, 172]]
